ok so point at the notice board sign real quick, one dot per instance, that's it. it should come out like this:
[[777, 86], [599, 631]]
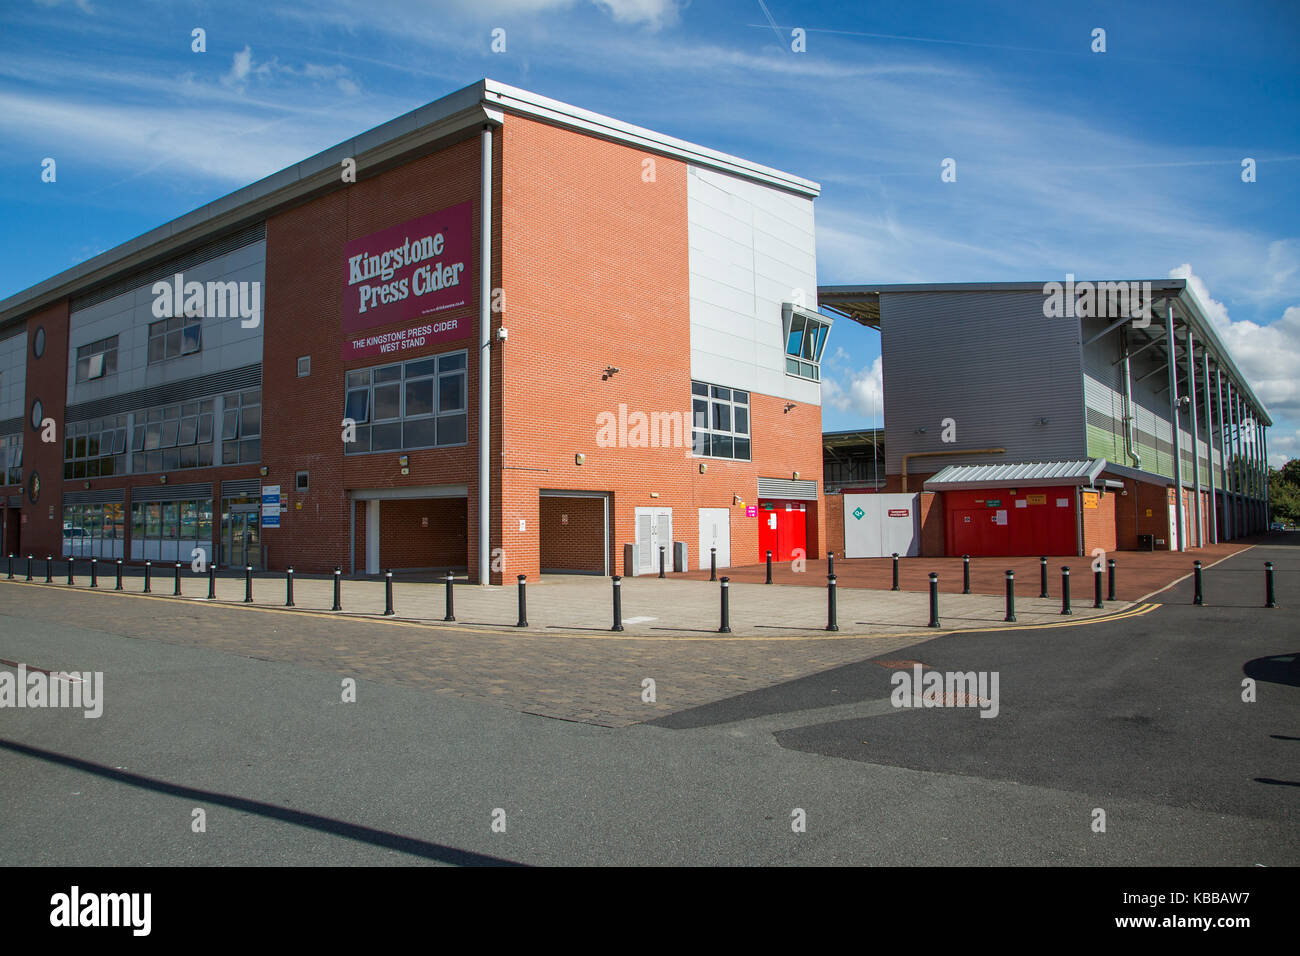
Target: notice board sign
[[421, 269], [270, 506]]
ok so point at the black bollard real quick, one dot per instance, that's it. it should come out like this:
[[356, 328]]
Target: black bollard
[[965, 574], [523, 600], [713, 564], [148, 565], [29, 567], [118, 568], [11, 565], [830, 562], [618, 604], [895, 587], [1270, 600], [1110, 579], [49, 569], [726, 607], [1096, 587], [71, 581], [176, 589], [338, 589], [769, 568], [830, 603], [1065, 591], [248, 584], [661, 560], [388, 593], [1011, 597], [1042, 575], [934, 599], [1198, 597], [451, 605], [212, 582], [94, 577], [288, 586]]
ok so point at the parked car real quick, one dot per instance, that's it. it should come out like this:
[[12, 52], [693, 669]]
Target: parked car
[[1277, 526], [72, 531]]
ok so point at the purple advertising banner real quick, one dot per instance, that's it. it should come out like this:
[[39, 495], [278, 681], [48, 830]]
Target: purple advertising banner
[[416, 270]]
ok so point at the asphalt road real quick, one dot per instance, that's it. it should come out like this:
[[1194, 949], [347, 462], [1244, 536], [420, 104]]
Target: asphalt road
[[1140, 717]]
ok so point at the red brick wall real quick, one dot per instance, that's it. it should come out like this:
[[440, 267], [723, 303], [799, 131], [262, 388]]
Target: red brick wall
[[1099, 524], [301, 427], [406, 542], [932, 523], [572, 534], [596, 273], [835, 524], [47, 379]]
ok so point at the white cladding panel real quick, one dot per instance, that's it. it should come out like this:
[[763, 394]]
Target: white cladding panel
[[226, 344], [13, 376], [878, 533], [751, 247]]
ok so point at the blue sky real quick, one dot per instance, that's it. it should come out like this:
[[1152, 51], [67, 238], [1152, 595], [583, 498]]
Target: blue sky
[[1123, 164]]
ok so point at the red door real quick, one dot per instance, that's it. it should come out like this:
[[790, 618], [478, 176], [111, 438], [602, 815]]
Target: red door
[[782, 528]]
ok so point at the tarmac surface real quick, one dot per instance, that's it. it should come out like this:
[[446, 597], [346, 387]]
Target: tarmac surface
[[1140, 715]]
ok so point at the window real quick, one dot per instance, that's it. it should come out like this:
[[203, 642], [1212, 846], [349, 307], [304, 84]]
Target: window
[[300, 481], [93, 531], [415, 404], [805, 340], [11, 459], [97, 359], [721, 421], [169, 438], [38, 342], [241, 427], [304, 366], [95, 448], [174, 337], [170, 530]]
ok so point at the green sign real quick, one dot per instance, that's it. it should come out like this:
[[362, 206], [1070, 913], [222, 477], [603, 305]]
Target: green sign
[[993, 503], [858, 513]]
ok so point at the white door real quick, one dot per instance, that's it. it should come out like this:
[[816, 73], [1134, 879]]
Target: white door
[[715, 532], [654, 527], [876, 526]]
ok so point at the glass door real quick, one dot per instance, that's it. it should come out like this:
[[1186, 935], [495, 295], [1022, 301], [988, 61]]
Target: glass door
[[241, 539]]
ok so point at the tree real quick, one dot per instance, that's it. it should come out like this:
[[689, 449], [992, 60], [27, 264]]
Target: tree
[[1284, 492]]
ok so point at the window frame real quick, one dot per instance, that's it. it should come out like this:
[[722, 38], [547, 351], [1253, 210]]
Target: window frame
[[705, 436], [434, 371], [803, 360], [176, 325]]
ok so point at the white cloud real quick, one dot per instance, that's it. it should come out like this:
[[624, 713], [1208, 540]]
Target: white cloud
[[863, 393], [653, 13]]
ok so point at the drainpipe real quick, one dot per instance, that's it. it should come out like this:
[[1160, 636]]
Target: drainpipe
[[956, 451], [1171, 348], [1196, 435], [1130, 438], [1209, 445], [485, 360]]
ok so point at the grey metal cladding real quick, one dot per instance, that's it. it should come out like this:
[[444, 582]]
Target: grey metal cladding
[[241, 487], [170, 492], [11, 426], [165, 270], [98, 496], [990, 360], [205, 386]]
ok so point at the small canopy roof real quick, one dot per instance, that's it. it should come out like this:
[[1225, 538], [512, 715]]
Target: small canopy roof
[[1003, 474]]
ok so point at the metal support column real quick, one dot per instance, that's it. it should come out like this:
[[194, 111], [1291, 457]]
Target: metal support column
[[1171, 355], [1199, 537], [1228, 524], [1209, 445]]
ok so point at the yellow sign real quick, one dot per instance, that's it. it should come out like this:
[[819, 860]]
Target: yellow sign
[[1090, 499], [1036, 499]]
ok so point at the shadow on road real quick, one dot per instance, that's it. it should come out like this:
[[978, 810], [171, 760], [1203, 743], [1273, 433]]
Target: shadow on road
[[1277, 669], [341, 828]]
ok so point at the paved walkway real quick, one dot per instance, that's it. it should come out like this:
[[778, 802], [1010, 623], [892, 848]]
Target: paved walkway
[[1137, 573], [576, 605]]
